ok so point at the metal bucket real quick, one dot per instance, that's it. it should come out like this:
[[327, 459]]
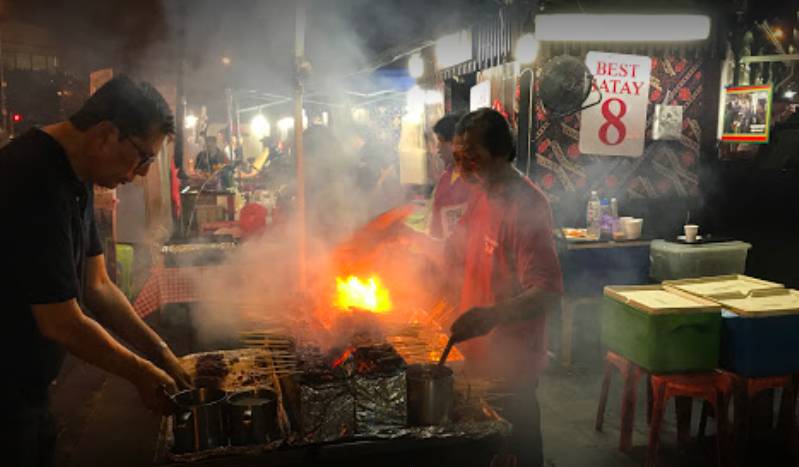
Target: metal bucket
[[199, 422], [253, 417], [430, 394]]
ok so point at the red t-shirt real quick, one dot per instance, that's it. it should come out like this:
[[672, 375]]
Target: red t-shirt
[[449, 203], [508, 247]]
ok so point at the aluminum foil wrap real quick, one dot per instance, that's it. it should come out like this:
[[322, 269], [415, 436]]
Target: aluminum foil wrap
[[379, 402], [327, 411], [472, 419]]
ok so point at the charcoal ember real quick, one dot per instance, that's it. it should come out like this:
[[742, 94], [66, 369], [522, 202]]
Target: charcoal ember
[[327, 411], [381, 359], [380, 401], [211, 370], [318, 368]]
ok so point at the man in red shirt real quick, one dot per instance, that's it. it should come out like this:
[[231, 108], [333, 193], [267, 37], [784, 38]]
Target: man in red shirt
[[511, 277], [451, 192]]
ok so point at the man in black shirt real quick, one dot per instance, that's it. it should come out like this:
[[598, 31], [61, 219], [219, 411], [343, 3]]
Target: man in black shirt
[[210, 158], [54, 261]]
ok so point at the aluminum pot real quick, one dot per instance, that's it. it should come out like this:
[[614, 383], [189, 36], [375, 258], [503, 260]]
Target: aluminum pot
[[430, 394], [199, 422], [253, 417]]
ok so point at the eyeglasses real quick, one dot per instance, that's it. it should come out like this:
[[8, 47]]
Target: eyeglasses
[[145, 158]]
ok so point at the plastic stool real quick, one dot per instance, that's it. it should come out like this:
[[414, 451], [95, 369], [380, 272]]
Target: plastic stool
[[631, 375], [715, 388], [745, 390]]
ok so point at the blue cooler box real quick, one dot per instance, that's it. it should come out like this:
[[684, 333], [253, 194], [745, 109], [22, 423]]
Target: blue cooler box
[[760, 334], [759, 326]]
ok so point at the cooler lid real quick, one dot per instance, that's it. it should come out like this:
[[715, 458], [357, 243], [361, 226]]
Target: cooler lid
[[657, 300], [664, 246], [722, 287], [763, 303]]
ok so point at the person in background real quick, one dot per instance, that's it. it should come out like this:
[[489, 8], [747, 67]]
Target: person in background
[[211, 158], [451, 192], [511, 276], [55, 265]]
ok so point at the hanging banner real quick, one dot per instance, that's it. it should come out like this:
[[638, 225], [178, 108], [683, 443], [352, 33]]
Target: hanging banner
[[617, 126]]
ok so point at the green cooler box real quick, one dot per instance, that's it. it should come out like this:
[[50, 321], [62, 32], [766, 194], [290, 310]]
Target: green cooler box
[[669, 260], [662, 331]]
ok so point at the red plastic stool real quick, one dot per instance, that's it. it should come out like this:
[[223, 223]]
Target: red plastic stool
[[745, 390], [715, 388], [631, 375]]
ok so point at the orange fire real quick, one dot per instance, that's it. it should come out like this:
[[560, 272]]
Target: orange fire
[[343, 358], [369, 294]]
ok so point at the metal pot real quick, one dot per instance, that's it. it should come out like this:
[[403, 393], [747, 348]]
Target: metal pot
[[253, 417], [430, 394], [198, 423]]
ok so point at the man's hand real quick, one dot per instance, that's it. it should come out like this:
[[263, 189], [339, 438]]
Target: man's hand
[[475, 322], [154, 386], [171, 365]]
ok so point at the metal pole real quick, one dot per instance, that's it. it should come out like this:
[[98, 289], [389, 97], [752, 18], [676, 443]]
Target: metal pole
[[3, 110], [299, 58], [229, 107], [180, 90], [238, 128]]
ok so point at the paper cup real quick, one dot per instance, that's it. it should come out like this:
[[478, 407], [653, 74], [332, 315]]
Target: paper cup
[[691, 232], [632, 228]]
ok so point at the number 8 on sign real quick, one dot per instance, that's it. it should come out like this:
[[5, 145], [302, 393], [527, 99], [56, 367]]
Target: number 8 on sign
[[613, 120]]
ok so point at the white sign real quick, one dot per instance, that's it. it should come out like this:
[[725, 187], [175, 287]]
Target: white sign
[[617, 125], [480, 96]]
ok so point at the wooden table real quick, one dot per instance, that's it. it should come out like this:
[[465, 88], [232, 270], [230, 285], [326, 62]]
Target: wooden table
[[587, 268]]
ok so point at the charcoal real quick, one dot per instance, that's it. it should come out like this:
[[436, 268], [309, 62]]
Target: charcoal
[[380, 359]]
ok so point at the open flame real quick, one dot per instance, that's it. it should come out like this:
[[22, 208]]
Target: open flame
[[343, 358], [369, 294]]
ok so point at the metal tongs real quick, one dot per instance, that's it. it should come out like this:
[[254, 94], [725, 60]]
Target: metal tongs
[[174, 408]]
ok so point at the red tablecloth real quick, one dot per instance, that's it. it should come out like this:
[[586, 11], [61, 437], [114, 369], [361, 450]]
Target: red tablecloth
[[172, 285]]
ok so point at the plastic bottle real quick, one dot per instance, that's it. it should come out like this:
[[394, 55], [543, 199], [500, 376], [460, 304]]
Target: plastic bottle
[[618, 233], [592, 216], [605, 218]]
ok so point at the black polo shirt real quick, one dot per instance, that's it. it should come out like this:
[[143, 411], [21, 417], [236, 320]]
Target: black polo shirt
[[48, 232]]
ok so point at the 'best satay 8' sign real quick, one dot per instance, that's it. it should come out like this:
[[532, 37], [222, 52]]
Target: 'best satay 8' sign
[[616, 126]]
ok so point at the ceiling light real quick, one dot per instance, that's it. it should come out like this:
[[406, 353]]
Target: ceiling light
[[526, 48], [190, 121], [259, 126], [416, 66]]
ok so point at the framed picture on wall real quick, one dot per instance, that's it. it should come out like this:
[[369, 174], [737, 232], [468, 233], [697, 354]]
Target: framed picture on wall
[[747, 114]]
